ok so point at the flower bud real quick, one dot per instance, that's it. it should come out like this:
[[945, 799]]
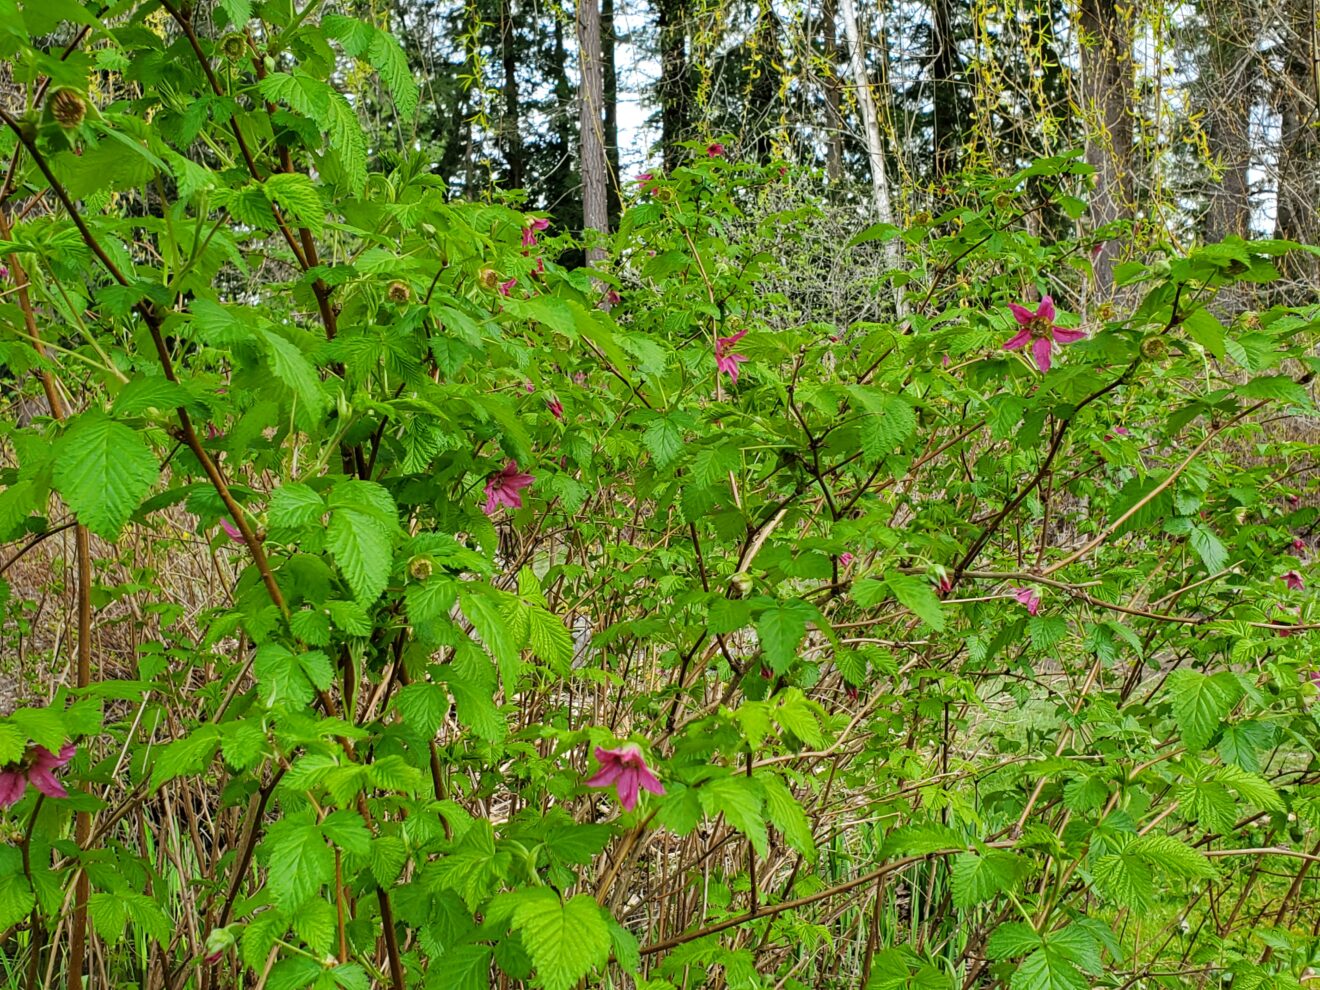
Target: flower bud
[[664, 195], [1003, 201], [421, 568], [233, 46], [740, 584], [218, 942], [398, 292], [1153, 348], [67, 107]]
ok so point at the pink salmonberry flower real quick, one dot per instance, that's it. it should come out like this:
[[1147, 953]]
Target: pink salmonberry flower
[[4, 272], [503, 488], [1294, 500], [715, 150], [725, 361], [625, 768], [1293, 581], [232, 531], [845, 559], [612, 297], [944, 585], [1039, 330], [1299, 545], [529, 232], [556, 408], [1029, 598], [507, 287], [37, 768]]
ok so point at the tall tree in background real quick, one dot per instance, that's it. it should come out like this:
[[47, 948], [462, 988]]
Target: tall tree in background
[[510, 125], [591, 139], [674, 86], [834, 125], [609, 51], [1298, 188], [948, 112], [1228, 90], [1107, 97]]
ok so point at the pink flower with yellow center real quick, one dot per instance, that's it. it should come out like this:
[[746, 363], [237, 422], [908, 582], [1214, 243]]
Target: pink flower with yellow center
[[503, 488], [38, 769], [1039, 330], [625, 768]]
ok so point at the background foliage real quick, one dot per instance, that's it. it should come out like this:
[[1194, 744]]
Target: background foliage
[[352, 524]]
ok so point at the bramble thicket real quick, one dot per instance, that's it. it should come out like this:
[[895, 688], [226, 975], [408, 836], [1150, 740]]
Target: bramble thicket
[[411, 589]]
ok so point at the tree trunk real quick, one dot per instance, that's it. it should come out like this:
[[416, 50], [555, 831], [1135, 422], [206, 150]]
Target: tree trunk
[[591, 143], [875, 149], [947, 120], [1106, 60], [1229, 88], [1299, 145], [833, 99], [671, 23], [510, 126], [611, 108], [763, 110]]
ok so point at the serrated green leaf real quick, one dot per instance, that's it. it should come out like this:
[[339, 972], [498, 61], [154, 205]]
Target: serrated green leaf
[[103, 470]]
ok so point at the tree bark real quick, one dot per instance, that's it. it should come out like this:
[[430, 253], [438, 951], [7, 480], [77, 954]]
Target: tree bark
[[611, 108], [510, 127], [1106, 61], [671, 23], [947, 120], [1299, 145], [833, 99], [591, 143], [1229, 88], [875, 149]]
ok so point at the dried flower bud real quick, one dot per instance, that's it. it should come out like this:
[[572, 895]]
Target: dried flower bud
[[489, 279], [921, 218], [398, 292], [67, 107], [1105, 311], [664, 195], [1153, 348], [233, 46], [1003, 201], [421, 568], [740, 584]]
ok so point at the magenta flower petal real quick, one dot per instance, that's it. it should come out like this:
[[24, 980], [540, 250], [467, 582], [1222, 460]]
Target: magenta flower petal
[[503, 488], [1294, 581], [1045, 311], [232, 531], [845, 559], [46, 760], [626, 769], [12, 785], [1040, 350], [45, 782], [1065, 336], [648, 780], [1020, 313], [1019, 339]]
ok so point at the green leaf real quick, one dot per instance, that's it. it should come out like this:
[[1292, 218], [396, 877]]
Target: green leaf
[[786, 814], [190, 755], [550, 639], [1204, 328], [360, 536], [780, 629], [239, 11], [566, 941], [300, 862], [980, 878], [739, 799], [1172, 855], [291, 367], [664, 439], [297, 197], [1208, 548], [1200, 703], [493, 629], [916, 594], [103, 470]]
